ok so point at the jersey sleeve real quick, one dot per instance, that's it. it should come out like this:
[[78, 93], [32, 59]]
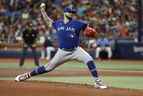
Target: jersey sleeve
[[83, 25]]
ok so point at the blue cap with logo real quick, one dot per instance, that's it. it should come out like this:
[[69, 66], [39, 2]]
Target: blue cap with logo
[[70, 10]]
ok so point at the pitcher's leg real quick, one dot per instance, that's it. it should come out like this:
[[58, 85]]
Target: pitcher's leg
[[92, 69], [88, 60], [56, 61], [83, 56]]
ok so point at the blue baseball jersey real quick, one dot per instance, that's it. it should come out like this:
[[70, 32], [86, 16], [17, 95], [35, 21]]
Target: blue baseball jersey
[[69, 34]]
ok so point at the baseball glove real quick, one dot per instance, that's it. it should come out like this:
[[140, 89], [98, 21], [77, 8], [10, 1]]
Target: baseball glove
[[90, 32]]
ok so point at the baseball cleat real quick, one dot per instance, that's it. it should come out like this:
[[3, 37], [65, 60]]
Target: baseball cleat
[[99, 84], [22, 77]]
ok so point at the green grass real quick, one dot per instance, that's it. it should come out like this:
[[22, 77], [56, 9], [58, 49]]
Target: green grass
[[113, 81], [15, 65], [108, 65], [121, 65], [125, 82], [116, 81]]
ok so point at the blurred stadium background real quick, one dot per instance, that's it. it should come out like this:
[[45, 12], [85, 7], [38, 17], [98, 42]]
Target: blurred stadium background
[[120, 20]]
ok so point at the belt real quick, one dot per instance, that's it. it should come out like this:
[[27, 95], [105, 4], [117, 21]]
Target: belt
[[68, 49]]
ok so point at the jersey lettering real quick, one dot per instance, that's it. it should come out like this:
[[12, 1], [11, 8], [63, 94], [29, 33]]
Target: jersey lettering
[[62, 28]]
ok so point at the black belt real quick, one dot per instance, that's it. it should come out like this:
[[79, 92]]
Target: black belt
[[68, 49]]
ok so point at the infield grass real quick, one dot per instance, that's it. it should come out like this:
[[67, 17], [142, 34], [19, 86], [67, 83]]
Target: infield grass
[[113, 81], [107, 65]]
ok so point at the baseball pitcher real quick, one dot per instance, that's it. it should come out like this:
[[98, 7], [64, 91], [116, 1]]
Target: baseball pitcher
[[68, 33]]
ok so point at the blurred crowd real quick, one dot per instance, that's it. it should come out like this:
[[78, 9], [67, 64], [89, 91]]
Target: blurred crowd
[[116, 18]]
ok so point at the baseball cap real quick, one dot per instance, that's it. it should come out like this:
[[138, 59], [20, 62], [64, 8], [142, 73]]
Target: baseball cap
[[70, 10]]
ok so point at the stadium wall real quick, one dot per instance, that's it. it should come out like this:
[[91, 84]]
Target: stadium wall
[[123, 50], [128, 50]]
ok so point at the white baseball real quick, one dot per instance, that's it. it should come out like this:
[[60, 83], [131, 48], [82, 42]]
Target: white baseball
[[42, 5]]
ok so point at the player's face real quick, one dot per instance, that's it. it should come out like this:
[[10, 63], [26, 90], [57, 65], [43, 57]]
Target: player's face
[[69, 15]]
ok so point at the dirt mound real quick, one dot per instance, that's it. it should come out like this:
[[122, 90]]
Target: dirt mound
[[38, 88]]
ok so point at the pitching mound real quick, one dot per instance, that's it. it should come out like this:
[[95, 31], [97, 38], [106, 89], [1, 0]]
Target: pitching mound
[[38, 88]]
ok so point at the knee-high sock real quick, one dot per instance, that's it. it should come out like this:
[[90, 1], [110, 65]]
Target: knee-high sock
[[92, 69], [38, 70]]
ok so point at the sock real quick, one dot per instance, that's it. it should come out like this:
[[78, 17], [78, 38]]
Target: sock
[[92, 68], [38, 70]]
